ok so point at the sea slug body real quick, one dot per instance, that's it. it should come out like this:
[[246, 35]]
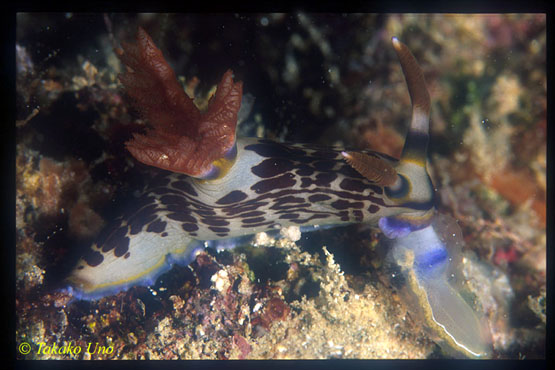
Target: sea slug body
[[222, 187]]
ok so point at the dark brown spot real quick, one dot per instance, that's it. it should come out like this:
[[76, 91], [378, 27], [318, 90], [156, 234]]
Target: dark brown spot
[[324, 165], [114, 239], [253, 220], [373, 208], [233, 197], [352, 185], [344, 215], [252, 214], [189, 227], [181, 217], [93, 258], [376, 189], [218, 229], [290, 199], [293, 209], [173, 200], [280, 202], [185, 186], [137, 225], [343, 204], [272, 167], [304, 170], [127, 255], [178, 208], [285, 181], [157, 226], [325, 179], [266, 223], [320, 215], [205, 212], [318, 198], [349, 195], [289, 216], [306, 182], [142, 217], [215, 221], [250, 207], [122, 247]]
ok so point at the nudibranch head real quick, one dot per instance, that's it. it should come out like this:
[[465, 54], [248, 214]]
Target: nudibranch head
[[407, 182]]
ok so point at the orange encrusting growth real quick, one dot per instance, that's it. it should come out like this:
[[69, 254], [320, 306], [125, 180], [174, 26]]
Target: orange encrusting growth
[[182, 139], [518, 188]]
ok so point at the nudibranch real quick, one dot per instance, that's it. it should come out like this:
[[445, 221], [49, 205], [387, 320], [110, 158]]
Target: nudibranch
[[223, 187]]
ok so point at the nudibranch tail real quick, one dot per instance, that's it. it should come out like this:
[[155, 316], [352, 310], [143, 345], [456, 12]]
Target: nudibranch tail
[[425, 259], [133, 251], [183, 139]]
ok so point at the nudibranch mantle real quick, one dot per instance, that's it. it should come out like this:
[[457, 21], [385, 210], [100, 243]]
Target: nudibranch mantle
[[225, 187]]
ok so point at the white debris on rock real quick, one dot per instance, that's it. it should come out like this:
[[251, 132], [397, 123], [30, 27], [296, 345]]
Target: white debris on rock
[[220, 281], [292, 233]]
